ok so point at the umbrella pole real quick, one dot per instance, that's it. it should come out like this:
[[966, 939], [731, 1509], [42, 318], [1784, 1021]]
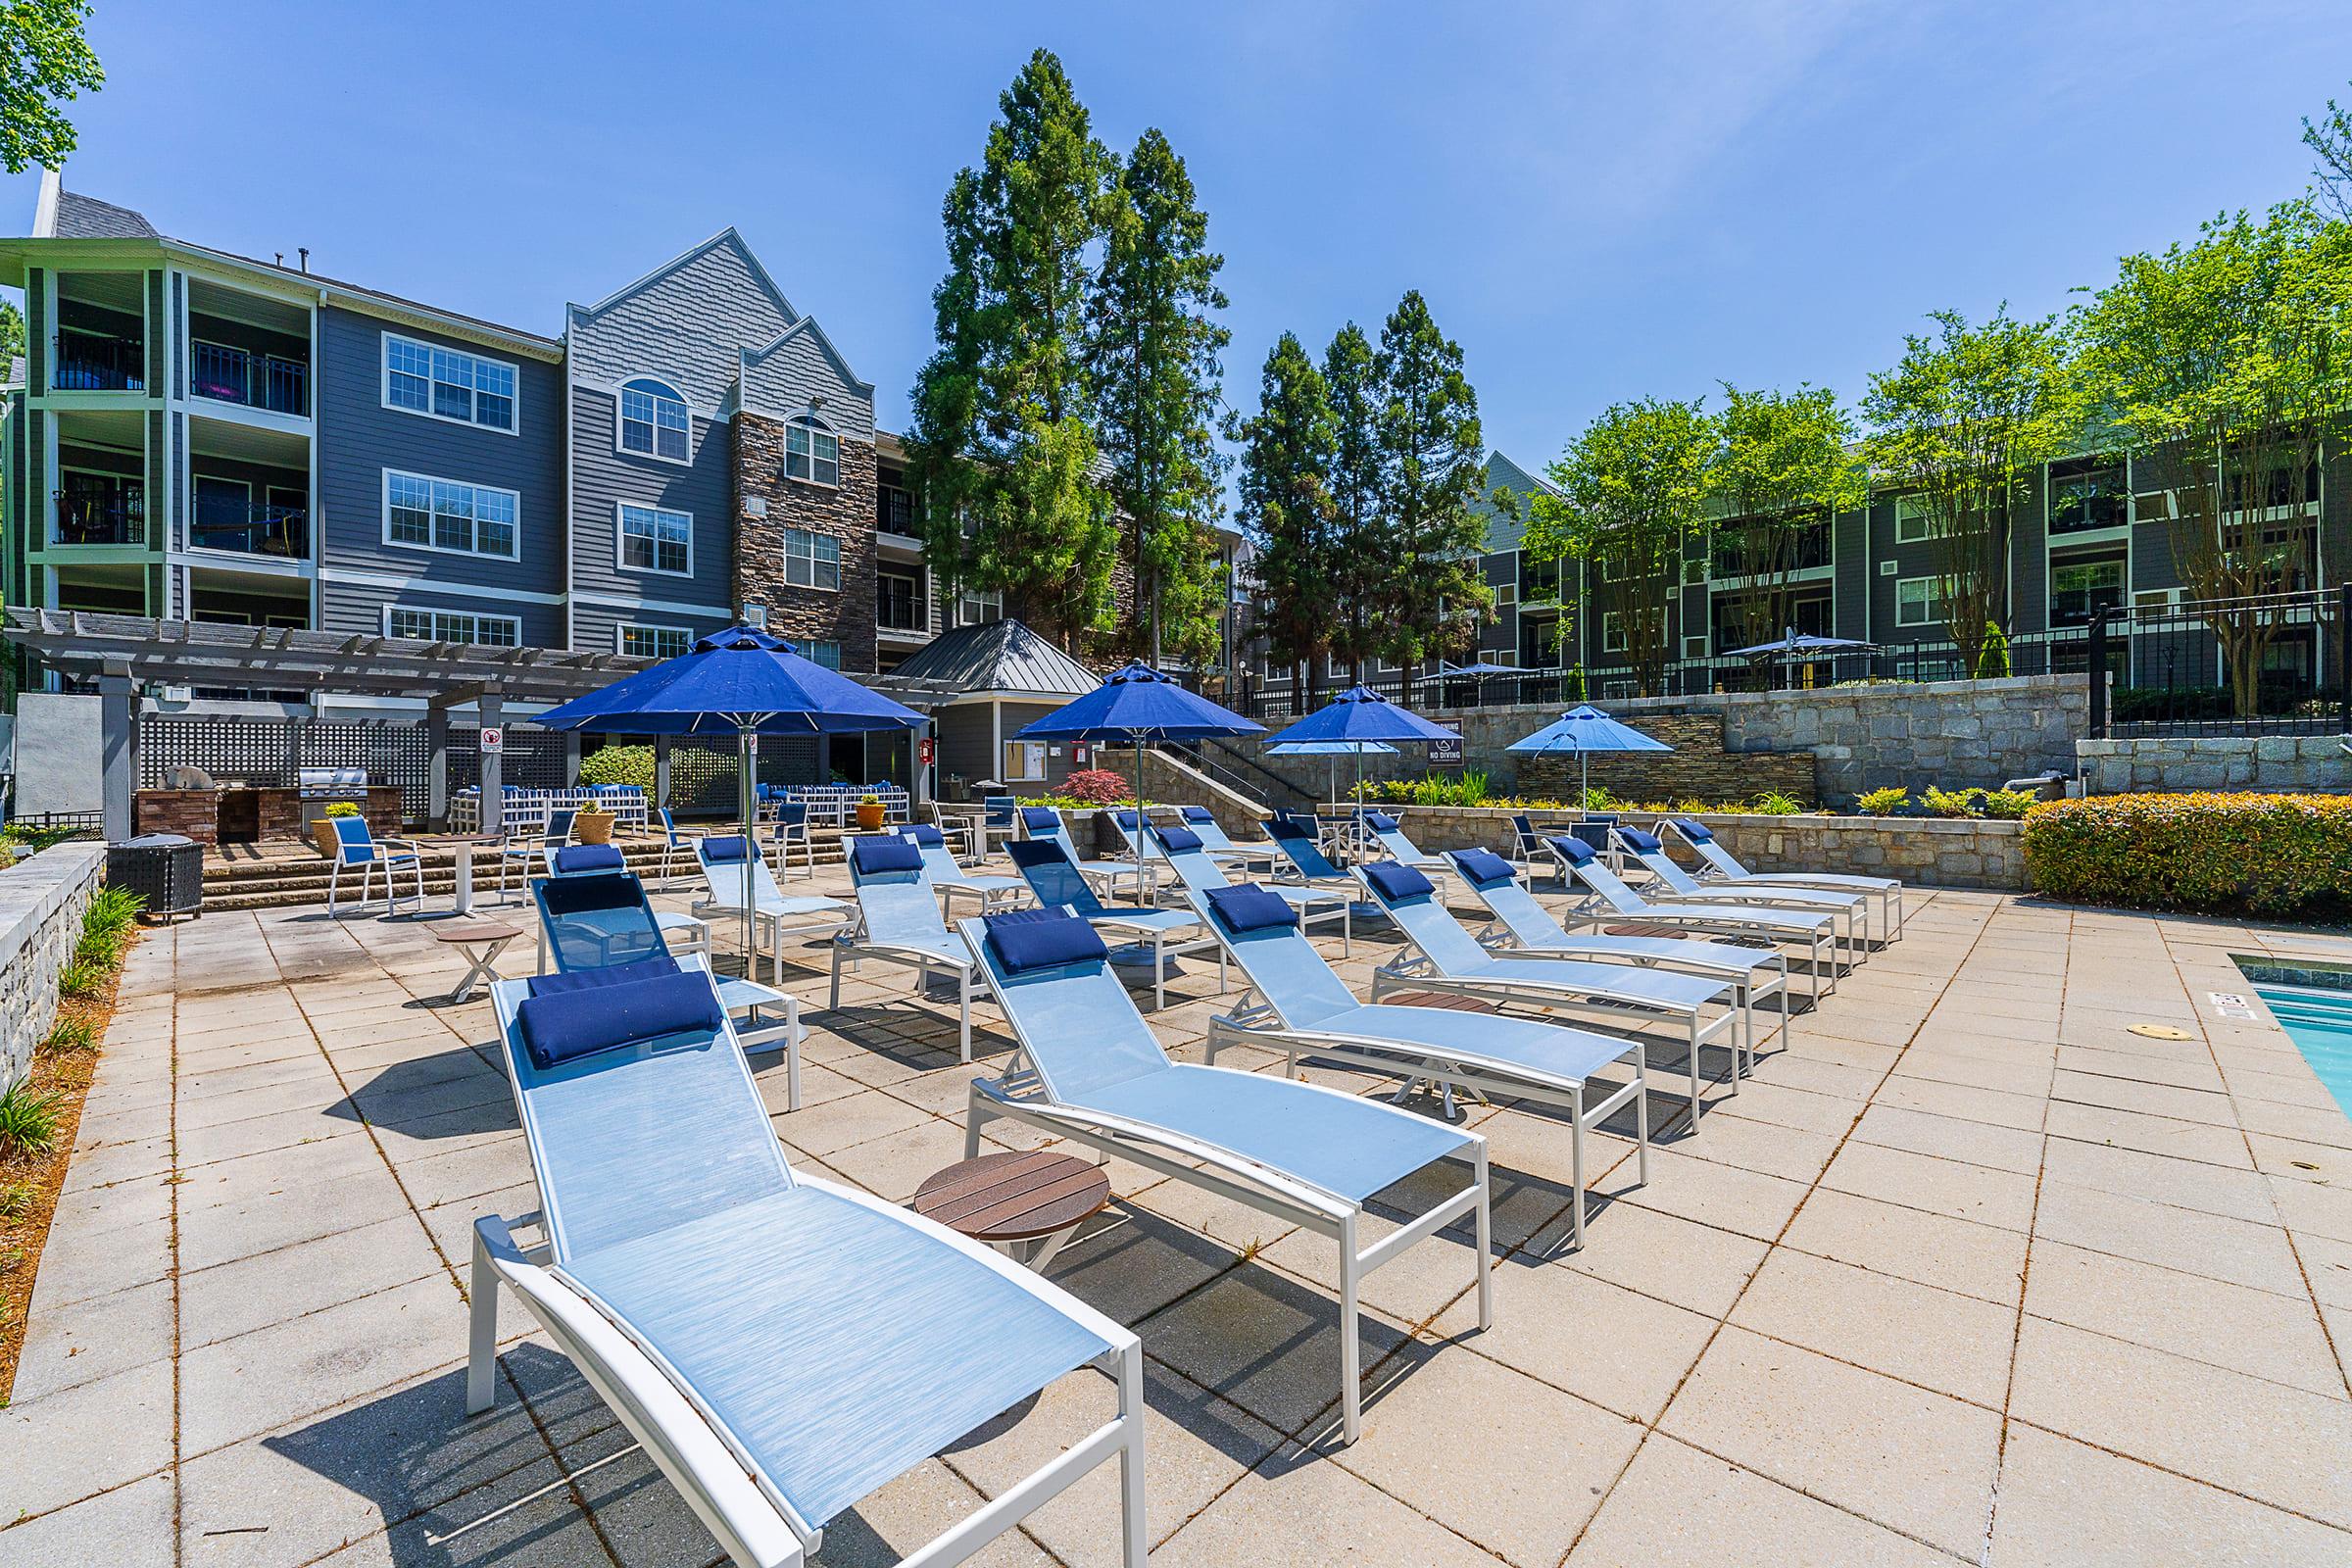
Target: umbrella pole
[[753, 855], [1584, 780]]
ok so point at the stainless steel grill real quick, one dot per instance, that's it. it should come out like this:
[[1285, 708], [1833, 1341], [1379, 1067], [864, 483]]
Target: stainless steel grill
[[331, 783]]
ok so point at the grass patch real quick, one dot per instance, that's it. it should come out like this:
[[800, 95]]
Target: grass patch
[[75, 1036], [28, 1119], [16, 1200]]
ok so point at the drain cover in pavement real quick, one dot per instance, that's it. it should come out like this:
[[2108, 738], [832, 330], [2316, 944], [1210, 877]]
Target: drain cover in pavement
[[2162, 1031]]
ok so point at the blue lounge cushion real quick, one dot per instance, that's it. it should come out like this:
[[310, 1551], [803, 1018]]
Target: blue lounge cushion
[[1638, 842], [885, 853], [1381, 821], [1029, 939], [1484, 867], [594, 891], [1196, 814], [1695, 832], [610, 974], [1177, 840], [1575, 851], [1125, 819], [1034, 852], [565, 1024], [1397, 883], [722, 851], [924, 834], [1249, 907], [575, 858], [1041, 819]]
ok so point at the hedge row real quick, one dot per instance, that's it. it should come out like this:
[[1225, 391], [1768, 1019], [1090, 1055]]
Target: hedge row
[[2267, 854]]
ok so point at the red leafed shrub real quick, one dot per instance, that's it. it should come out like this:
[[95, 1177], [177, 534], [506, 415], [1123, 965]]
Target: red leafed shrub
[[1096, 786]]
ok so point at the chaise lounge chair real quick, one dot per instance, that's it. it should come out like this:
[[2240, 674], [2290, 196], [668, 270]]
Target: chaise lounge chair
[[1057, 885], [1189, 859], [1610, 899], [1720, 862], [1202, 823], [1683, 888], [898, 923], [1450, 961], [1298, 1005], [726, 861], [1044, 823], [947, 880], [1097, 1076], [780, 1346]]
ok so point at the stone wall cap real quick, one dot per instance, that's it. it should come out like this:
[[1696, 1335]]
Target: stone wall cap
[[33, 889]]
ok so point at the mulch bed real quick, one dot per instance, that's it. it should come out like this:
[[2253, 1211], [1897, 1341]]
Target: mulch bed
[[67, 1073]]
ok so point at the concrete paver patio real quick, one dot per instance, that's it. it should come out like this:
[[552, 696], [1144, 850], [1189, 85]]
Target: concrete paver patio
[[1966, 1272]]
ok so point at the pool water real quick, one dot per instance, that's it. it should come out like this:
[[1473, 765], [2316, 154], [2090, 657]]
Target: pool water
[[2320, 1023]]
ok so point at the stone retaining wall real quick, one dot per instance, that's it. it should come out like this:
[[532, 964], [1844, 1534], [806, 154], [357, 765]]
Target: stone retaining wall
[[1931, 852], [41, 900], [2286, 764]]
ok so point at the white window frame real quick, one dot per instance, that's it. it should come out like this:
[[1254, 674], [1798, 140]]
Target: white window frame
[[1623, 643], [811, 428], [513, 622], [1935, 583], [974, 606], [620, 420], [621, 539], [807, 647], [791, 535], [1024, 761], [433, 544], [1924, 533], [621, 637], [384, 383]]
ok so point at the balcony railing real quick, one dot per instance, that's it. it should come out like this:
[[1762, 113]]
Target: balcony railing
[[93, 362], [254, 381], [101, 520], [252, 531]]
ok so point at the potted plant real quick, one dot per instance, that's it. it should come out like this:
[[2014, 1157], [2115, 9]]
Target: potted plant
[[869, 812], [322, 826], [592, 824]]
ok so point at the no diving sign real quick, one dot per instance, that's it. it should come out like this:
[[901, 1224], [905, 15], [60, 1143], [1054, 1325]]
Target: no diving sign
[[494, 740]]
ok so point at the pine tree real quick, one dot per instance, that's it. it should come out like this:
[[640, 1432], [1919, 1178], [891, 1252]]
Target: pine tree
[[1433, 463], [1284, 490], [1351, 373], [1001, 443], [1993, 655], [1152, 362]]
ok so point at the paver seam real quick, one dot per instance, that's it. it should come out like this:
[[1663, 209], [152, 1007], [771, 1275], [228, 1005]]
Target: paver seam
[[179, 1327]]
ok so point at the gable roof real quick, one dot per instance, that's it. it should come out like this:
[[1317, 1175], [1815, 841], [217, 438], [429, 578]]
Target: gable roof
[[806, 326], [76, 217], [1002, 657], [730, 236]]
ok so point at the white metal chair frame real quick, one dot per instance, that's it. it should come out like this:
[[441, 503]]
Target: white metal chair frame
[[395, 855], [1887, 891]]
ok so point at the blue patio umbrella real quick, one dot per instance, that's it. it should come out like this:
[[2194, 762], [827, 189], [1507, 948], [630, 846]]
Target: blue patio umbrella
[[1137, 704], [1335, 750], [1802, 645], [743, 682], [1360, 714], [1583, 731]]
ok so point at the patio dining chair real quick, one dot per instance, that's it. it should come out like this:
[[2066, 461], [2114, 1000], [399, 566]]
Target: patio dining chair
[[356, 847], [519, 848], [673, 839], [790, 827], [779, 1344]]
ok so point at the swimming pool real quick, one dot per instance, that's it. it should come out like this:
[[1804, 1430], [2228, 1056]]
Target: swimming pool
[[2316, 1012]]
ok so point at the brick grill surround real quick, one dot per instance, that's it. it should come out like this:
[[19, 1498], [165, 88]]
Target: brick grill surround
[[844, 512]]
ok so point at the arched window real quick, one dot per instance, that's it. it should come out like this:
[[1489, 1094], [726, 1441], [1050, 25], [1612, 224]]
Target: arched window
[[653, 420], [811, 452]]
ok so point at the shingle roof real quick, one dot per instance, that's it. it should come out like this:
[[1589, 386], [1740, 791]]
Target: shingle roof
[[87, 218], [1003, 656]]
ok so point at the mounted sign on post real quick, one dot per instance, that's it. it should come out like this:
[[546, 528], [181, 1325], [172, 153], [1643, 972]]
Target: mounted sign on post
[[926, 751], [494, 740], [1447, 753]]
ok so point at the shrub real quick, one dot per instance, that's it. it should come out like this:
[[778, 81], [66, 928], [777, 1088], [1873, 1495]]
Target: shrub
[[1993, 655], [98, 950], [341, 809], [1573, 686], [1772, 802], [2008, 805], [80, 979], [1949, 803], [1098, 786], [8, 855], [1883, 803], [113, 910], [71, 1037], [620, 764], [27, 1119], [2264, 854]]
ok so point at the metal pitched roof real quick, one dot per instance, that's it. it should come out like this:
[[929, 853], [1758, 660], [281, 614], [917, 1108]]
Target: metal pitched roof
[[1003, 657]]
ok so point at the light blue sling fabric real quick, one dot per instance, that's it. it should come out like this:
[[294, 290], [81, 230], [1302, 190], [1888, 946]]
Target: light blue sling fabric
[[941, 871], [1201, 874], [1531, 926], [1684, 885], [597, 920], [1285, 967], [839, 1345], [1056, 882], [1457, 955], [1625, 900], [1716, 856], [903, 912], [1093, 1051]]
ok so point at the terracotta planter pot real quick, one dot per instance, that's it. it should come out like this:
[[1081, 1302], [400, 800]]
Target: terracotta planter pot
[[323, 835], [592, 827], [869, 814]]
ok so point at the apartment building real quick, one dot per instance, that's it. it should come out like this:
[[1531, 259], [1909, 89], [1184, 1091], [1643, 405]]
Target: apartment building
[[205, 436]]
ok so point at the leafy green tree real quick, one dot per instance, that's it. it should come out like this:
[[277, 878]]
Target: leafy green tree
[[1153, 348], [1781, 472], [1632, 492], [2222, 367], [1960, 430], [11, 332], [1284, 490], [1358, 484], [1002, 444], [44, 62], [1992, 654], [2329, 139], [1433, 463]]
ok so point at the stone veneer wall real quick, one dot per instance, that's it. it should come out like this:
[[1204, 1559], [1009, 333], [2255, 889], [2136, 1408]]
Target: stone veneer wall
[[41, 900], [843, 510], [1931, 852], [2286, 764]]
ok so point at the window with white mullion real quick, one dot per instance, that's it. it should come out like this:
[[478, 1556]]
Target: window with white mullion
[[812, 453], [447, 514], [448, 384], [655, 540], [453, 626], [653, 421], [812, 560]]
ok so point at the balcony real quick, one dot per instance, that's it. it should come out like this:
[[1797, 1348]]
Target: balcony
[[97, 362], [227, 375], [250, 529], [119, 519], [899, 605]]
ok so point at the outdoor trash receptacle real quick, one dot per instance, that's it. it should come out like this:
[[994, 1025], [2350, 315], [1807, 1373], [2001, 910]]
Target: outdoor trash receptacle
[[167, 869]]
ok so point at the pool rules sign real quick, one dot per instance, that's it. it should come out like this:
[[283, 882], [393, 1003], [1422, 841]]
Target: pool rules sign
[[494, 740]]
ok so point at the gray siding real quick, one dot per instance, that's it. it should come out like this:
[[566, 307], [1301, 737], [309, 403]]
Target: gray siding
[[360, 610], [603, 477], [594, 626], [688, 324], [781, 379], [359, 439]]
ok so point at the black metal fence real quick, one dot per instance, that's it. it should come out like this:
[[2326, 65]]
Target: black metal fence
[[2272, 665]]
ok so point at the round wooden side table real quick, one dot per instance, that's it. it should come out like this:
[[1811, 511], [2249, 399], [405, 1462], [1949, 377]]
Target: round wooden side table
[[1025, 1206]]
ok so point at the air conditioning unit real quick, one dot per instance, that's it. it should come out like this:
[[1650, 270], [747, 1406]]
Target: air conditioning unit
[[2156, 599], [1695, 648]]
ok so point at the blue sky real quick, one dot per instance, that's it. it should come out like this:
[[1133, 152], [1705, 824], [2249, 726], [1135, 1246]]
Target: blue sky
[[1601, 201]]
